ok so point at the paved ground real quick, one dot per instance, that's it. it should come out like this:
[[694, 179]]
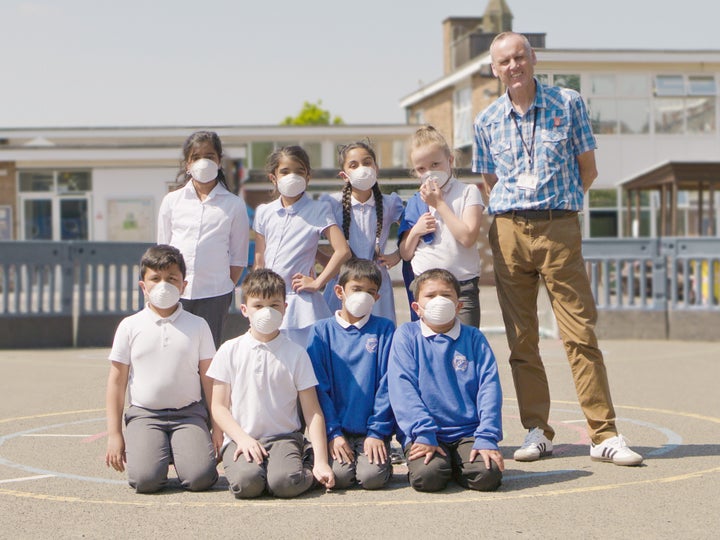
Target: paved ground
[[53, 482]]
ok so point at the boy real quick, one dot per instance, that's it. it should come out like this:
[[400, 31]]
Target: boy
[[349, 353], [259, 377], [445, 392], [160, 355]]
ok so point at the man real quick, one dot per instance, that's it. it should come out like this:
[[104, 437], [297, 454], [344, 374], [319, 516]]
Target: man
[[535, 149]]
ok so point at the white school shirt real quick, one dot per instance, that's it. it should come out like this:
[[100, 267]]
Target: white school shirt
[[164, 356], [264, 380], [292, 236], [362, 243], [445, 251], [212, 235]]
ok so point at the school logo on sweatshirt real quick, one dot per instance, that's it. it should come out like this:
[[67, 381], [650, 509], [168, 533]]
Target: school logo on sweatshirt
[[460, 363], [371, 344]]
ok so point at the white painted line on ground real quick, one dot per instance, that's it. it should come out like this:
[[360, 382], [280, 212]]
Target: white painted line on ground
[[573, 421], [25, 478], [55, 435]]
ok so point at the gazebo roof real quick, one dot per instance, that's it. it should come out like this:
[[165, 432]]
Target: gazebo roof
[[686, 175]]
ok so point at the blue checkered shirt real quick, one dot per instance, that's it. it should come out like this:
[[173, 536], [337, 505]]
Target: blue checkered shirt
[[562, 133]]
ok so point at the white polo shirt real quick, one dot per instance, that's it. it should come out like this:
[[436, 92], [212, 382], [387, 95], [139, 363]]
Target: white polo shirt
[[264, 379], [212, 235], [164, 357], [445, 251]]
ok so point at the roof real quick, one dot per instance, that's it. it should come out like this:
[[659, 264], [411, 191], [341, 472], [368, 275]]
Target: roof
[[686, 175]]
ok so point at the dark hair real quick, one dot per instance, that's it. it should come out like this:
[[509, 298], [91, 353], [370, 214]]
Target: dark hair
[[347, 192], [439, 274], [293, 152], [357, 269], [262, 283], [194, 139], [161, 257]]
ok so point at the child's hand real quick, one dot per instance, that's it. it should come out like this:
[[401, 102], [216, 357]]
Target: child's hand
[[115, 455], [430, 193], [253, 450], [340, 450], [301, 282], [375, 450], [323, 474], [425, 224], [487, 456], [389, 260], [418, 450]]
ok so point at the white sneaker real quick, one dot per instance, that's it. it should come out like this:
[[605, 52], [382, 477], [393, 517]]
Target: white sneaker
[[536, 445], [615, 450]]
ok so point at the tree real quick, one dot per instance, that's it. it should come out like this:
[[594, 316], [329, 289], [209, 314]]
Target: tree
[[312, 114]]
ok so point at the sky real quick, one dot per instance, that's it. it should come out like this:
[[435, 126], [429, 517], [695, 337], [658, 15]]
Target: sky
[[204, 63]]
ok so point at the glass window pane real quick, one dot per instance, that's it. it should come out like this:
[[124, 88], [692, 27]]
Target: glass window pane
[[702, 86], [543, 78], [259, 152], [701, 115], [568, 81], [71, 181], [602, 85], [633, 85], [669, 115], [38, 220], [634, 115], [36, 181], [669, 85], [314, 151], [603, 223], [602, 198], [603, 114], [74, 219]]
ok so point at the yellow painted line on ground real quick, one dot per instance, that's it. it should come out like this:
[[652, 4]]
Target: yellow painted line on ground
[[284, 503], [48, 415]]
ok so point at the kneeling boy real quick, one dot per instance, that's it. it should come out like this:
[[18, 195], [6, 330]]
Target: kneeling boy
[[445, 392], [161, 355], [349, 353], [259, 377]]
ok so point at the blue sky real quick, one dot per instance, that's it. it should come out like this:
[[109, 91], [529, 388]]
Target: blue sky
[[247, 62]]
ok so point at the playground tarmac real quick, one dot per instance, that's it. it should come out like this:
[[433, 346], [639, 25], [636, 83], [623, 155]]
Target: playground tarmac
[[54, 483]]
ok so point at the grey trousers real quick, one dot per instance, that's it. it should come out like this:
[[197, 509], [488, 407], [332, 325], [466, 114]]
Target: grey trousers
[[286, 471], [214, 310], [368, 475], [155, 438], [455, 464]]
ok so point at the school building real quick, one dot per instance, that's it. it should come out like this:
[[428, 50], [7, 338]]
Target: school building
[[653, 113]]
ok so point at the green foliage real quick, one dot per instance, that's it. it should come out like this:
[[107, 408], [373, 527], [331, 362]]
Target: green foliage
[[312, 114]]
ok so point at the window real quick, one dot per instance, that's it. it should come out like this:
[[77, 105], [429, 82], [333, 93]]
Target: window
[[685, 104], [619, 103], [462, 117]]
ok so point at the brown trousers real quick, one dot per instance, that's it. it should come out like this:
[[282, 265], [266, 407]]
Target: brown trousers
[[524, 250]]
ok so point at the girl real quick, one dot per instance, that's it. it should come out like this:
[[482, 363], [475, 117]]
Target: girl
[[366, 216], [287, 234], [209, 225], [441, 225]]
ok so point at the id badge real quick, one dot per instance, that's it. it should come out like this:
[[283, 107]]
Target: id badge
[[527, 181]]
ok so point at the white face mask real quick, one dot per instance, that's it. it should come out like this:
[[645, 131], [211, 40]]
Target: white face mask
[[363, 178], [439, 311], [291, 185], [359, 303], [164, 295], [266, 320], [441, 177], [204, 170]]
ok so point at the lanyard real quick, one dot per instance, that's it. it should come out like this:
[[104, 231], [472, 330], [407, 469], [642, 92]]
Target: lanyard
[[528, 149]]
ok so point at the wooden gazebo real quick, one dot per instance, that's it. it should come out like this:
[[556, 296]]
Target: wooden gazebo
[[669, 178]]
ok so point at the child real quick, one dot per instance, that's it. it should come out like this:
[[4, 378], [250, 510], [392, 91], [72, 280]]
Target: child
[[445, 392], [349, 353], [259, 377], [442, 221], [209, 225], [160, 355], [287, 235], [366, 216]]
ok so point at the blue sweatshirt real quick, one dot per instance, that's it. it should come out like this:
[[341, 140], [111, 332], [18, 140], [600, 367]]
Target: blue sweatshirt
[[351, 368], [443, 388]]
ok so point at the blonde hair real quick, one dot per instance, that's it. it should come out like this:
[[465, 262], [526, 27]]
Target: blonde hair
[[427, 135]]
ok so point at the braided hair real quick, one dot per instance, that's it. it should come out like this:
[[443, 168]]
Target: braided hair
[[347, 194]]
